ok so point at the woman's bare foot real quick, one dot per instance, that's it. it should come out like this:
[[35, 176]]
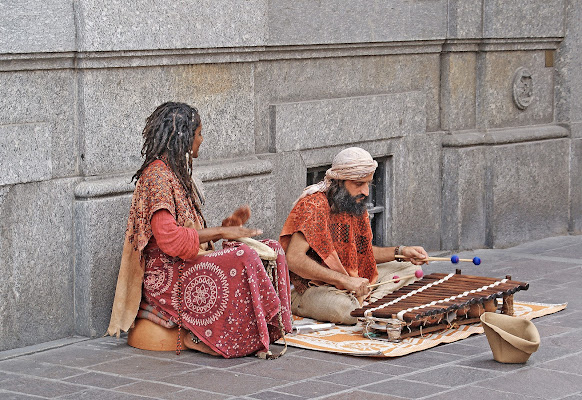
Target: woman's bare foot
[[201, 347]]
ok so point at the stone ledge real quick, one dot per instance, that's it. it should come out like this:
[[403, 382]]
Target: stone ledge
[[505, 136], [147, 58], [485, 45], [225, 169]]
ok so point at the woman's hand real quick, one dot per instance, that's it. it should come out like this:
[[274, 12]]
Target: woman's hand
[[239, 217], [226, 232], [235, 232]]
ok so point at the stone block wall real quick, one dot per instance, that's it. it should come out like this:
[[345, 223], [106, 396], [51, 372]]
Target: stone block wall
[[426, 85]]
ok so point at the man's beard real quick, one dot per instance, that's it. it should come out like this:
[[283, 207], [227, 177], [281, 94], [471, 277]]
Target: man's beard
[[342, 201]]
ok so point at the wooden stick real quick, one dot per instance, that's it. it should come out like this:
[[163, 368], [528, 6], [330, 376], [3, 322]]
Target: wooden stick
[[394, 280], [434, 258]]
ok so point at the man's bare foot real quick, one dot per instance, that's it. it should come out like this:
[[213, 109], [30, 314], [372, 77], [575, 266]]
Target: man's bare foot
[[201, 347]]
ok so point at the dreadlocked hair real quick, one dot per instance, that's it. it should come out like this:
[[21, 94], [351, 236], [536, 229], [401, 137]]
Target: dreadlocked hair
[[169, 132]]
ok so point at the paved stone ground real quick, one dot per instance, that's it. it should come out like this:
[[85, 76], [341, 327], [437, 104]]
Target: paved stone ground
[[106, 368]]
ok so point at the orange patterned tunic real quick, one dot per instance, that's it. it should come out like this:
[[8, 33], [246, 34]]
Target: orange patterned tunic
[[342, 242]]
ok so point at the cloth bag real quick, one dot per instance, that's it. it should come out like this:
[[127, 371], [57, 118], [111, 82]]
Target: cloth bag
[[512, 339]]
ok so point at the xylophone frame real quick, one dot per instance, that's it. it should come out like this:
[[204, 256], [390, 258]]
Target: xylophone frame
[[397, 330]]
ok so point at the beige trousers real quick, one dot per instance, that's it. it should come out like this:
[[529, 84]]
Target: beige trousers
[[327, 303]]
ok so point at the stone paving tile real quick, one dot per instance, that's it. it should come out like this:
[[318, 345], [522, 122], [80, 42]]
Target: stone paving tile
[[311, 389], [533, 382], [76, 356], [573, 397], [144, 367], [539, 246], [388, 368], [521, 270], [108, 343], [99, 380], [460, 349], [478, 341], [570, 364], [186, 356], [225, 382], [405, 389], [487, 362], [192, 394], [38, 386], [424, 359], [548, 330], [271, 395], [148, 388], [4, 377], [200, 359], [478, 393], [28, 366], [573, 251], [568, 318], [337, 358], [291, 368], [555, 347], [102, 394], [355, 377], [359, 394], [452, 376], [16, 396]]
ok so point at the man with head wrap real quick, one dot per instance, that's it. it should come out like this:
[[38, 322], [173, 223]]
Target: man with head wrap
[[328, 243]]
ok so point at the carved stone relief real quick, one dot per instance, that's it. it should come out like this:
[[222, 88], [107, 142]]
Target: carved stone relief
[[522, 88]]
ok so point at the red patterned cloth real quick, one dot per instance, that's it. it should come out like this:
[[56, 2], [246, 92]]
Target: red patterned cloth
[[342, 242], [225, 297]]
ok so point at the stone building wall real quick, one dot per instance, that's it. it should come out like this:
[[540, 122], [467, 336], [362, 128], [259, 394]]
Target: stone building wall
[[427, 86]]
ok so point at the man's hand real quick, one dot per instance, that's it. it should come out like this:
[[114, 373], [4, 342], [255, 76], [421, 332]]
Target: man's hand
[[358, 286], [415, 254]]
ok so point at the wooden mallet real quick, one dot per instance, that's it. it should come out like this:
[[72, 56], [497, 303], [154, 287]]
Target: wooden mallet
[[417, 274], [454, 259]]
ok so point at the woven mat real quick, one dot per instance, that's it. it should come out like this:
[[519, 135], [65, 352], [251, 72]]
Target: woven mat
[[345, 339]]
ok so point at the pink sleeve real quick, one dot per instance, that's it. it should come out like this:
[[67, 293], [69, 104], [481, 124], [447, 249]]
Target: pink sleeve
[[174, 240]]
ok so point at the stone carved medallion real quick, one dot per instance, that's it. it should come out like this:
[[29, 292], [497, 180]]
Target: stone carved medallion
[[522, 88]]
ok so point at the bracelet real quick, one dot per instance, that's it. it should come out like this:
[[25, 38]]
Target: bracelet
[[397, 252]]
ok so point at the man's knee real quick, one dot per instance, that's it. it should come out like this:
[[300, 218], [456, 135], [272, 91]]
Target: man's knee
[[325, 303], [387, 271]]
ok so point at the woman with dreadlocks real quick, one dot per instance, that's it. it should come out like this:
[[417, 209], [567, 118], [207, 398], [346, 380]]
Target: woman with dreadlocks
[[218, 302]]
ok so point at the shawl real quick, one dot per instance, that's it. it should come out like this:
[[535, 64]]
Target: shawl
[[342, 241], [157, 188]]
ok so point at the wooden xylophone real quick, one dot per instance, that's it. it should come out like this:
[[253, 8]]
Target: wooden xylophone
[[437, 301]]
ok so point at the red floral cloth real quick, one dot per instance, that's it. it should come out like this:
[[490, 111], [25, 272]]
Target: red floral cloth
[[225, 297], [342, 242]]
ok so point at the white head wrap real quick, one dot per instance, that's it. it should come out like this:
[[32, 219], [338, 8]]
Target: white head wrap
[[350, 164]]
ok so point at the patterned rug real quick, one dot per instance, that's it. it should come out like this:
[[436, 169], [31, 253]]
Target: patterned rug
[[349, 339]]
